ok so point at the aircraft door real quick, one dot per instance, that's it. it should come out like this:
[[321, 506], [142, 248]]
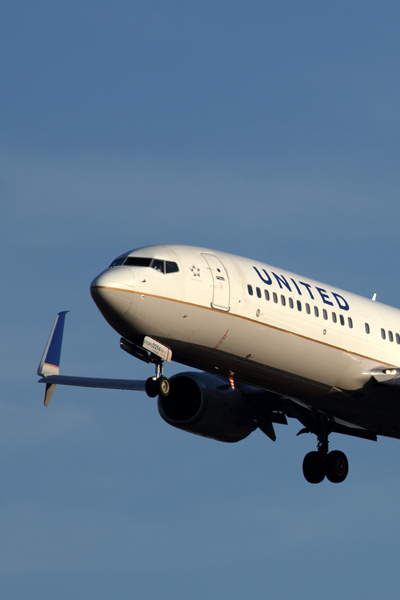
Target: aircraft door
[[221, 288]]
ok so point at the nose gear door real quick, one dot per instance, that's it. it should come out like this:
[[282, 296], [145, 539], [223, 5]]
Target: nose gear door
[[221, 288]]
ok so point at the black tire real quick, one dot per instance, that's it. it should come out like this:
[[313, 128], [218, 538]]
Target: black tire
[[164, 387], [151, 387], [313, 467], [337, 466]]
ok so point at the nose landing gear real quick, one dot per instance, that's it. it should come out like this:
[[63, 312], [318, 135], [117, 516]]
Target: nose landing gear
[[320, 464], [153, 353], [158, 385]]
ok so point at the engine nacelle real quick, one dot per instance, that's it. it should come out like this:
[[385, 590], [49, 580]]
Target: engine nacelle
[[204, 404]]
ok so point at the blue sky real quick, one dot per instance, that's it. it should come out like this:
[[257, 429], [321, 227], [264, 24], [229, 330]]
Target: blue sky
[[268, 131]]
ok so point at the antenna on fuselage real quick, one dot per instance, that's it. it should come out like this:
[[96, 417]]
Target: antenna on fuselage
[[374, 298]]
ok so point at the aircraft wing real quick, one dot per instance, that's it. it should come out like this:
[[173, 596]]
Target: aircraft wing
[[96, 382], [49, 368]]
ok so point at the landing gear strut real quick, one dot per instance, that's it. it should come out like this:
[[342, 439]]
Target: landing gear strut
[[318, 465], [158, 385], [152, 353]]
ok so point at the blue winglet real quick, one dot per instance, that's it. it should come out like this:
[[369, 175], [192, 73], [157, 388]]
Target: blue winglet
[[50, 362]]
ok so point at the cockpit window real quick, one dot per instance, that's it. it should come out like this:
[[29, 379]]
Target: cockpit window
[[117, 262], [158, 265], [137, 261], [171, 267], [163, 266]]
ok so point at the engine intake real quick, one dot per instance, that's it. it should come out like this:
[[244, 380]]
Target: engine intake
[[206, 405]]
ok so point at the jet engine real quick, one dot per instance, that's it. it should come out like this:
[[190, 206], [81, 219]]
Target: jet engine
[[207, 405]]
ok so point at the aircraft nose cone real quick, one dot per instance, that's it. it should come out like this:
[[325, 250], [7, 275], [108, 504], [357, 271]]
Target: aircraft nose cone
[[113, 278], [112, 292]]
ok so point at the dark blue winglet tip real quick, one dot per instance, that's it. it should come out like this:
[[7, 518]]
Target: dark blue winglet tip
[[54, 351], [50, 361]]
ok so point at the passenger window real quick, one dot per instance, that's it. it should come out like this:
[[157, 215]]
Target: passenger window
[[367, 329], [397, 338], [341, 317], [350, 321], [316, 311], [250, 290], [266, 294], [258, 292], [383, 334], [390, 334], [299, 305], [334, 318], [275, 297], [291, 303], [308, 309], [325, 314], [283, 300]]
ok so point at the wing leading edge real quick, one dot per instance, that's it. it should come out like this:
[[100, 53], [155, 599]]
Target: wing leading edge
[[49, 368]]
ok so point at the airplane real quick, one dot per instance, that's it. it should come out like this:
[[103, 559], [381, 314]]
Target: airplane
[[271, 345]]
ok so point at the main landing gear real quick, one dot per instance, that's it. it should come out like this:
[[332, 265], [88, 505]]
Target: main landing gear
[[158, 385], [320, 464], [334, 466]]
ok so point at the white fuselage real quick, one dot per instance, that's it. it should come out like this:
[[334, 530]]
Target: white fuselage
[[268, 327]]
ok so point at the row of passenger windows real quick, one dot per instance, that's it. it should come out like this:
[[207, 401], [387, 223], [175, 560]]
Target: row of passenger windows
[[299, 306], [389, 336], [291, 303]]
